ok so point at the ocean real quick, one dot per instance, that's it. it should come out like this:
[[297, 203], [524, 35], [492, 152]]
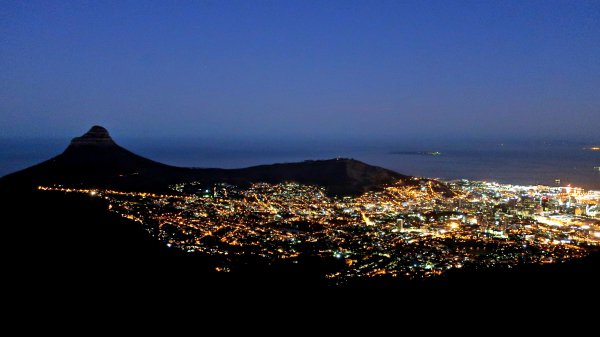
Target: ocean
[[516, 163]]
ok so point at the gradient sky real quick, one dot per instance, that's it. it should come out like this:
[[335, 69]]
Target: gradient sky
[[301, 69]]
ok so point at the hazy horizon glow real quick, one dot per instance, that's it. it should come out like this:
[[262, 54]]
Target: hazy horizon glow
[[380, 70]]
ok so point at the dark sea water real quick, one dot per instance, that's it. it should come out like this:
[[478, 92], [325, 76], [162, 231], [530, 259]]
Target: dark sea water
[[517, 163]]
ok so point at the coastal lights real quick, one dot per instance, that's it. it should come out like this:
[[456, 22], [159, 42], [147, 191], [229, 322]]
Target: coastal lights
[[398, 231]]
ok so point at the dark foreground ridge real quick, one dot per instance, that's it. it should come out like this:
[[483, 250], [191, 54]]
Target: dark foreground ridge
[[95, 160]]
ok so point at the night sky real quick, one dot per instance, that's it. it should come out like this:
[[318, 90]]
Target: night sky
[[301, 69]]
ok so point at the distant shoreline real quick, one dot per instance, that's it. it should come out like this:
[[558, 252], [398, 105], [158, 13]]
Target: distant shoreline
[[417, 153]]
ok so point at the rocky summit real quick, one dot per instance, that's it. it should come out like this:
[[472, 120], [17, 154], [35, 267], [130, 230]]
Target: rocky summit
[[97, 135]]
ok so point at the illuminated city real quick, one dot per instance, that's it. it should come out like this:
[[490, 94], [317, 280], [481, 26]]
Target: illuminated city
[[217, 154], [403, 230]]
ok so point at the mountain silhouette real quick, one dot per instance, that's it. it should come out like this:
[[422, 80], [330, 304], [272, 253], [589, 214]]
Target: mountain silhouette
[[93, 159], [96, 153], [96, 160], [75, 240]]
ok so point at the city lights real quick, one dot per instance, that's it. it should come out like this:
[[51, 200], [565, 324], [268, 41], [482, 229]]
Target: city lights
[[403, 230]]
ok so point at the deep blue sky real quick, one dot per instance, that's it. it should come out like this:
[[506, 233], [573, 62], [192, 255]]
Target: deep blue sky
[[301, 69]]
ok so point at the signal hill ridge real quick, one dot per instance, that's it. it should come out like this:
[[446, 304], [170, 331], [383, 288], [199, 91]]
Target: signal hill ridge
[[95, 160]]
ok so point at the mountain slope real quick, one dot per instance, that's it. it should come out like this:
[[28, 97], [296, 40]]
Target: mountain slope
[[340, 176], [95, 160]]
